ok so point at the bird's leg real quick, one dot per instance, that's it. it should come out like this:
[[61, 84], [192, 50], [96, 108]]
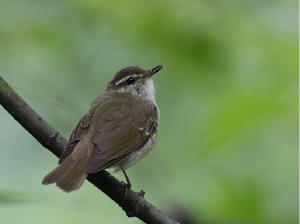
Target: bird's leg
[[127, 179], [128, 184]]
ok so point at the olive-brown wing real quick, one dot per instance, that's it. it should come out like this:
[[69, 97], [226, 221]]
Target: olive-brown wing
[[79, 131], [126, 128]]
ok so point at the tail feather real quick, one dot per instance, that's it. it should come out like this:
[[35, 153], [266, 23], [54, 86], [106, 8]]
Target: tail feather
[[69, 176], [58, 173], [73, 180]]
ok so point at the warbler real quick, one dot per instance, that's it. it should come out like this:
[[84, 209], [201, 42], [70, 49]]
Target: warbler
[[118, 130]]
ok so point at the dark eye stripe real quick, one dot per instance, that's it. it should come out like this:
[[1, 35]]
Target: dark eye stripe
[[130, 80]]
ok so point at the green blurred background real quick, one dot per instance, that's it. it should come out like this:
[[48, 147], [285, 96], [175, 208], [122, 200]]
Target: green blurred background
[[227, 147]]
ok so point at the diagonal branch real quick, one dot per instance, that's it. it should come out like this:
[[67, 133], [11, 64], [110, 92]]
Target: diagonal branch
[[134, 204]]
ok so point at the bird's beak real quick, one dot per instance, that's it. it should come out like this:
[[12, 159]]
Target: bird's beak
[[155, 70]]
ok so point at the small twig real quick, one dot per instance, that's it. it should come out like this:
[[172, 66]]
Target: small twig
[[134, 204]]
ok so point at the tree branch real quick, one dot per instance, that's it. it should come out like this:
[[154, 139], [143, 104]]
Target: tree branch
[[134, 204]]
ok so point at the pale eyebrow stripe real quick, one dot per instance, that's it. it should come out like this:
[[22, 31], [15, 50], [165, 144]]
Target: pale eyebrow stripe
[[124, 78]]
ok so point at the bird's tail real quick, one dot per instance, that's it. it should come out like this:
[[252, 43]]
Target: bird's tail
[[69, 176]]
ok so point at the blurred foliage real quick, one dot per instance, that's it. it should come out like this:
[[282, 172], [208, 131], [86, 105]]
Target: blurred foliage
[[227, 149]]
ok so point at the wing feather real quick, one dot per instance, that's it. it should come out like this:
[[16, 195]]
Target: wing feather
[[79, 131], [111, 125], [121, 132]]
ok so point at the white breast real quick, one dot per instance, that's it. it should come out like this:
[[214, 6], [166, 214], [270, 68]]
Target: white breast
[[134, 157]]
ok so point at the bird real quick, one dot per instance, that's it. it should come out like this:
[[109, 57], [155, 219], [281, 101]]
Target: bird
[[118, 130]]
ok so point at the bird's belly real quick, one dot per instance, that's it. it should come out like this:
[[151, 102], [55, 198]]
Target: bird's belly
[[134, 157]]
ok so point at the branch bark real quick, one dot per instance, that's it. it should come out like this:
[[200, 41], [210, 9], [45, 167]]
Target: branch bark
[[134, 204]]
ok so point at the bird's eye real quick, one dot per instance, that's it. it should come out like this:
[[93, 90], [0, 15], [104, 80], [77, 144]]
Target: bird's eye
[[130, 80]]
